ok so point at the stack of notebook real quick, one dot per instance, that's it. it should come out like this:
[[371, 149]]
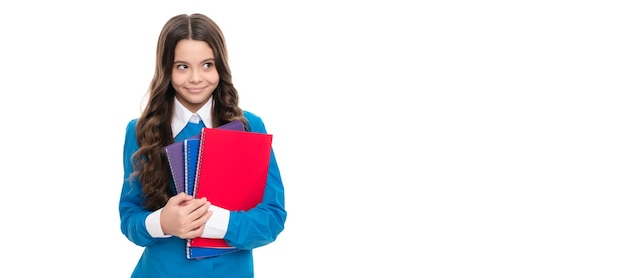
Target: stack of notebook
[[228, 166]]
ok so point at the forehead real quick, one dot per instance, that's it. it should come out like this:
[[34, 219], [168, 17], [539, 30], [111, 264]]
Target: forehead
[[192, 50]]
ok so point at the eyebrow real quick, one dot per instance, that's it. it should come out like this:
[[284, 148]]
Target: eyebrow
[[203, 61]]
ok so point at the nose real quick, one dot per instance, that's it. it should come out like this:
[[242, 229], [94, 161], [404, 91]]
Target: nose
[[195, 76]]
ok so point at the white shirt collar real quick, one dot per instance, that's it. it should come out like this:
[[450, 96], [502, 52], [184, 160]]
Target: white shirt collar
[[182, 115]]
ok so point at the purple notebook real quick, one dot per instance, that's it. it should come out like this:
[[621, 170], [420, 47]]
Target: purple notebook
[[176, 156]]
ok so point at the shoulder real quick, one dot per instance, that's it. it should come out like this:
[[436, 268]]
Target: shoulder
[[130, 140], [254, 121], [131, 125], [132, 122], [251, 116], [131, 131]]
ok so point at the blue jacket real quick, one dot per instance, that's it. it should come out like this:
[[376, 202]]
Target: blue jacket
[[166, 257]]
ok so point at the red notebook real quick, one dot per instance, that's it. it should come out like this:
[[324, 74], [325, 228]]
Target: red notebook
[[232, 172]]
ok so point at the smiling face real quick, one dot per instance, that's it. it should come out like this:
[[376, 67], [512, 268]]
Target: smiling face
[[194, 76]]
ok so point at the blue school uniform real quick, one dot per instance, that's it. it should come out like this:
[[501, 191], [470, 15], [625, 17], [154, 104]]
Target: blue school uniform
[[166, 257]]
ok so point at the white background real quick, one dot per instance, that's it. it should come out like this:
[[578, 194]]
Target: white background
[[415, 138]]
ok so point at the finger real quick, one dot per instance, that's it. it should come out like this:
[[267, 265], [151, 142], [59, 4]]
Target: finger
[[195, 233], [200, 222], [192, 199], [196, 227], [199, 212], [181, 198], [195, 204]]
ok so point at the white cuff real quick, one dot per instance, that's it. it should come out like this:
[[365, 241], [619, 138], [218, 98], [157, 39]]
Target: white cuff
[[218, 223], [153, 225]]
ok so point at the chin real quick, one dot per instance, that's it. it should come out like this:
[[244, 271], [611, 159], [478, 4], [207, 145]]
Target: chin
[[197, 98]]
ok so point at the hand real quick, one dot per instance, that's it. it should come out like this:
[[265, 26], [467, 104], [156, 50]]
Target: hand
[[184, 216]]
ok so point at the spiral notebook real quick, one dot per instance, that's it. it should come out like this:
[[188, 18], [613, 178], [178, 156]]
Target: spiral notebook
[[176, 156], [232, 172], [185, 157]]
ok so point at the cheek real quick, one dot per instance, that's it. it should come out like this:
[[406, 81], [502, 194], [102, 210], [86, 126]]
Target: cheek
[[213, 77], [178, 80]]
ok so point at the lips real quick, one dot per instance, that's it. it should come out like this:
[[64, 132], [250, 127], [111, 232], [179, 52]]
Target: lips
[[195, 90]]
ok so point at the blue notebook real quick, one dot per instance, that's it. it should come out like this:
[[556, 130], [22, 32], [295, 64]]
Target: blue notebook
[[200, 252], [191, 148]]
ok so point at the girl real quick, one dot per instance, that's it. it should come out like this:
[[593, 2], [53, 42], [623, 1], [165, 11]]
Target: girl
[[191, 89]]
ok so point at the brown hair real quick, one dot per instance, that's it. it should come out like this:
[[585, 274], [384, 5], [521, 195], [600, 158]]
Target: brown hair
[[153, 128]]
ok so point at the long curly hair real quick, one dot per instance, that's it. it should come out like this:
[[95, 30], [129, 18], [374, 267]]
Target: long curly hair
[[153, 128]]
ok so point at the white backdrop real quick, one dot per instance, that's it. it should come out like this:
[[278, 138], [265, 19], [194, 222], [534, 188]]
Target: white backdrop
[[415, 139]]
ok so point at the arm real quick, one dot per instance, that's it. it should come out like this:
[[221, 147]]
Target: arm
[[182, 216], [132, 214]]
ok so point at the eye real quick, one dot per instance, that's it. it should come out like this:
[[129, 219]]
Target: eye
[[208, 65], [181, 66]]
